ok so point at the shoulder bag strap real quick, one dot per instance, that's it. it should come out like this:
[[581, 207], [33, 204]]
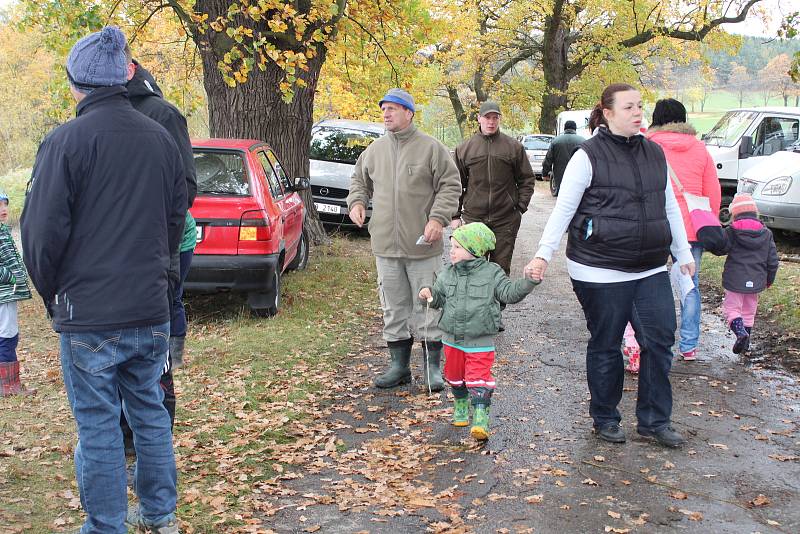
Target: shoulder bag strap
[[675, 178]]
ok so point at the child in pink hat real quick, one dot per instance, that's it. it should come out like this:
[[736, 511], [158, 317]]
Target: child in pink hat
[[750, 268]]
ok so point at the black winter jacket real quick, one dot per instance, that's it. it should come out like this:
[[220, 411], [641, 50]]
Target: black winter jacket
[[752, 261], [106, 205], [559, 154], [621, 222], [147, 97]]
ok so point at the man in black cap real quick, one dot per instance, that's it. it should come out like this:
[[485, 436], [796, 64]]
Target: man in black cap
[[558, 155], [497, 182]]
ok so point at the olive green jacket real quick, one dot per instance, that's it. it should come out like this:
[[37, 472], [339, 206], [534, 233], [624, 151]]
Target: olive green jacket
[[469, 294], [411, 180], [496, 177]]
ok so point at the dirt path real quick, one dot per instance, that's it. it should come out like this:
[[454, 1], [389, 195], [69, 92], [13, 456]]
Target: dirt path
[[390, 462]]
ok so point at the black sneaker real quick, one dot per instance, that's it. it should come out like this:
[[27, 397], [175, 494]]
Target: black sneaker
[[611, 432], [667, 437]]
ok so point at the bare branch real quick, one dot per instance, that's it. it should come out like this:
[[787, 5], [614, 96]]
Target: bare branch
[[687, 35]]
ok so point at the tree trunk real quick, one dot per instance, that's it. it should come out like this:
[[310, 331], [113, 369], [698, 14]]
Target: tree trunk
[[458, 110], [255, 109], [555, 67]]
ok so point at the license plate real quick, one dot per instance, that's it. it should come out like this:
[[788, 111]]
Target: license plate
[[538, 157], [199, 233], [327, 208]]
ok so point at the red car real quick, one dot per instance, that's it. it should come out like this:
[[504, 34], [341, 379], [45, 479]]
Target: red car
[[249, 222]]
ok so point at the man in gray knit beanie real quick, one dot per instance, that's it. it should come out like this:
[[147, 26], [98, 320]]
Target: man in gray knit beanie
[[106, 206], [98, 60]]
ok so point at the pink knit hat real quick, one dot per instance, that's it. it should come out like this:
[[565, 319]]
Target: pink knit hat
[[743, 203]]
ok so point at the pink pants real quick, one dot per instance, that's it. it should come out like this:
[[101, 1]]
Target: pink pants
[[742, 305], [630, 338]]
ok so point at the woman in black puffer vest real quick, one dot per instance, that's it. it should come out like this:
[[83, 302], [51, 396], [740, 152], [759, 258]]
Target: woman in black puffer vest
[[623, 222]]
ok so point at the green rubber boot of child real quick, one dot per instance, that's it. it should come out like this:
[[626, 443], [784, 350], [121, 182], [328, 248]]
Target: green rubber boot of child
[[480, 423], [461, 412]]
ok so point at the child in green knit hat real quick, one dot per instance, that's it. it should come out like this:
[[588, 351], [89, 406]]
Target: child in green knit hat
[[469, 292]]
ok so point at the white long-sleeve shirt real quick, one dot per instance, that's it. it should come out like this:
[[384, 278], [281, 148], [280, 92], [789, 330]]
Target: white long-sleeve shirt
[[577, 178]]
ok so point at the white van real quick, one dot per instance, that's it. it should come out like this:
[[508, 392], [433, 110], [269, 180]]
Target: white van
[[775, 186], [744, 138], [581, 118]]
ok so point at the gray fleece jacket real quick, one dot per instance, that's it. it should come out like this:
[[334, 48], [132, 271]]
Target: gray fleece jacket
[[411, 180]]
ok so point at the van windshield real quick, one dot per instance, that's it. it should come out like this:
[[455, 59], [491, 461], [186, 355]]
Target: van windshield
[[339, 145], [730, 128]]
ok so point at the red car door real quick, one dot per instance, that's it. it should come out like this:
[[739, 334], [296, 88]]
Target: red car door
[[282, 202], [292, 203]]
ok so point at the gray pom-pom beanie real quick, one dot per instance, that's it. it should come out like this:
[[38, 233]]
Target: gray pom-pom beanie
[[98, 60]]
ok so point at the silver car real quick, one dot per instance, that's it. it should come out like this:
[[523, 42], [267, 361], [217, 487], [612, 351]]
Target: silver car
[[536, 146], [335, 147]]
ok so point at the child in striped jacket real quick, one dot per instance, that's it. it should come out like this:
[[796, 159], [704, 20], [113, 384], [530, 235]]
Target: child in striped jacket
[[13, 288]]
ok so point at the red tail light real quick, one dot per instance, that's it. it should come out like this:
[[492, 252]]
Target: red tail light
[[254, 226]]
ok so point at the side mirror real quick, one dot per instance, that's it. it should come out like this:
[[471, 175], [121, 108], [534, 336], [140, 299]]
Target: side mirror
[[745, 147], [301, 183], [704, 136]]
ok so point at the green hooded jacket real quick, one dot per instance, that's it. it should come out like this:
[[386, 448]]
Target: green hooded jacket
[[469, 294]]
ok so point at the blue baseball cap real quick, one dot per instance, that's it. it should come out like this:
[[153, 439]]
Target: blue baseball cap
[[398, 96]]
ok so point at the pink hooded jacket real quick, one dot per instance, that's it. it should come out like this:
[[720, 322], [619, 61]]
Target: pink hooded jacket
[[692, 164]]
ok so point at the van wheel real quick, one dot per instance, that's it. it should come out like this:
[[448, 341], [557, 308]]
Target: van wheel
[[553, 187], [300, 261], [266, 303]]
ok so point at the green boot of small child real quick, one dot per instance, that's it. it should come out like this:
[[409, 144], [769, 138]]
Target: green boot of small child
[[461, 412], [480, 423]]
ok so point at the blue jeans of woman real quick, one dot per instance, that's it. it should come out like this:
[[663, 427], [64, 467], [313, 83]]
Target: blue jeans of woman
[[178, 318], [649, 305], [106, 372], [690, 307]]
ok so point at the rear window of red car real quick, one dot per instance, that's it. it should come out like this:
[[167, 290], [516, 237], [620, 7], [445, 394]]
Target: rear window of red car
[[220, 173]]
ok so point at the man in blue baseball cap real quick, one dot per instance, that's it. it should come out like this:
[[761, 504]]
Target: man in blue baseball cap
[[414, 187]]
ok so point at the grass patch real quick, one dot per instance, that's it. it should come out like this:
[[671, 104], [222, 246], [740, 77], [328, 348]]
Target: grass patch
[[245, 392]]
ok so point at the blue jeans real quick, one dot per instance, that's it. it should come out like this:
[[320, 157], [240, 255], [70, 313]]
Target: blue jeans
[[649, 305], [690, 307], [178, 319], [106, 372]]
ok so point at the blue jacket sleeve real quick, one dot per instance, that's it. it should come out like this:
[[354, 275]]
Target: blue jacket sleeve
[[46, 222]]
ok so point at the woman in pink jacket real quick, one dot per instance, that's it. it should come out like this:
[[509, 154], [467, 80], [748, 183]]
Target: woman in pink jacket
[[694, 167]]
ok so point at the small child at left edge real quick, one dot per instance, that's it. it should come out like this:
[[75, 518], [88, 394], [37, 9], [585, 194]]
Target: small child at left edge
[[469, 292], [13, 287]]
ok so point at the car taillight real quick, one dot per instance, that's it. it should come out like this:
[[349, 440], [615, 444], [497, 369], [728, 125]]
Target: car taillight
[[254, 226]]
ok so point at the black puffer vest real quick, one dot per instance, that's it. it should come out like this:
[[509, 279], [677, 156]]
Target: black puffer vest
[[621, 222]]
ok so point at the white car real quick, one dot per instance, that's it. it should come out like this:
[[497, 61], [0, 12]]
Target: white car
[[536, 146], [335, 147], [775, 186]]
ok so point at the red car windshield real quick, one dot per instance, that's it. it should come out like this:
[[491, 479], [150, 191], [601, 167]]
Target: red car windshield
[[220, 173]]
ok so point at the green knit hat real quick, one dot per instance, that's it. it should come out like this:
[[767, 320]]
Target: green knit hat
[[476, 238]]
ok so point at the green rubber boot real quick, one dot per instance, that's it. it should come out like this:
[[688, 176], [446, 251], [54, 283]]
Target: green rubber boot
[[400, 369], [433, 373], [480, 423], [461, 412]]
